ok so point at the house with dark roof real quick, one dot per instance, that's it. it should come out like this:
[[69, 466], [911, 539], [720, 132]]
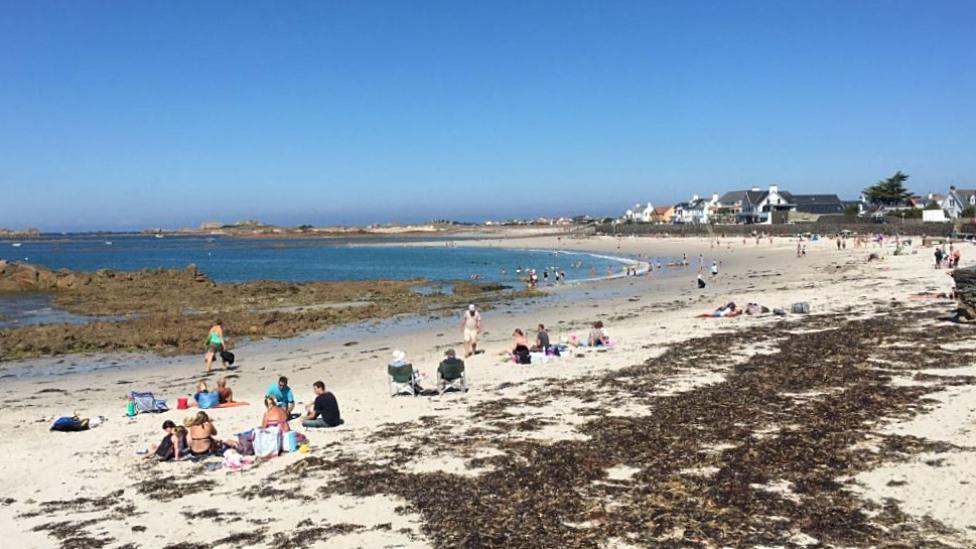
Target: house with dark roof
[[756, 206], [958, 200], [859, 204], [811, 207], [819, 204]]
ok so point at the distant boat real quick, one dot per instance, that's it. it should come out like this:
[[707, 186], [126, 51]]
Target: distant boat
[[159, 236], [108, 242], [16, 244]]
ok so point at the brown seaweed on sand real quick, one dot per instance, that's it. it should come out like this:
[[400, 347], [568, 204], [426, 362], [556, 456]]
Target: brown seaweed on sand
[[755, 459]]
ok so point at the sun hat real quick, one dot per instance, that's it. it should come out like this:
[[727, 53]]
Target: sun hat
[[471, 307], [399, 356]]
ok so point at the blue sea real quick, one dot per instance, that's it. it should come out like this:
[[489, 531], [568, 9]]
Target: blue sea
[[299, 260], [292, 259]]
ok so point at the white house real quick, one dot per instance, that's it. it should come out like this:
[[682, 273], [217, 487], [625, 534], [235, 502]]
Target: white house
[[697, 210], [958, 200], [642, 213]]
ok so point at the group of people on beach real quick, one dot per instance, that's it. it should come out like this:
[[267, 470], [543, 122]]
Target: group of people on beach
[[197, 436], [947, 259]]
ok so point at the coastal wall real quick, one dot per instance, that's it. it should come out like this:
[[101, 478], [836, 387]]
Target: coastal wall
[[820, 227]]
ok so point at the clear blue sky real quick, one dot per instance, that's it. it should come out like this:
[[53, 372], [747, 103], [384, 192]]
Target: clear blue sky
[[122, 115]]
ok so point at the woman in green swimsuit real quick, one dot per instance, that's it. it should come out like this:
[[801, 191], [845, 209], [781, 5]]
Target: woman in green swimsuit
[[215, 345]]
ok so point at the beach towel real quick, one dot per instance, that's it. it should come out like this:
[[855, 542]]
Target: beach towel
[[234, 404], [147, 403]]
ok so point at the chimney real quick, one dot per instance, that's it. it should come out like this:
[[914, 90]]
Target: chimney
[[773, 189], [755, 189], [714, 197], [694, 197], [952, 187]]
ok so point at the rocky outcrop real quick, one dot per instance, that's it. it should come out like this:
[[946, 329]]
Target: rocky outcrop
[[18, 277], [23, 277], [169, 311]]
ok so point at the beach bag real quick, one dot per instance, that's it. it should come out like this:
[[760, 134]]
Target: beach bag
[[227, 357], [245, 443], [522, 355], [69, 424], [778, 311], [290, 441], [208, 400], [146, 402], [800, 308], [267, 442]]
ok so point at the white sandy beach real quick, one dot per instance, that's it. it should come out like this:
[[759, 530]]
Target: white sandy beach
[[644, 315]]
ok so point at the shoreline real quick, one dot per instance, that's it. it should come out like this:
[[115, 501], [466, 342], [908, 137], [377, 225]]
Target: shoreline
[[60, 288], [521, 412]]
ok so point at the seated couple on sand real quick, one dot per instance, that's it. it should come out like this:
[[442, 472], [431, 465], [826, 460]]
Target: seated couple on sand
[[521, 353], [196, 437], [405, 379], [597, 337], [221, 395], [280, 401]]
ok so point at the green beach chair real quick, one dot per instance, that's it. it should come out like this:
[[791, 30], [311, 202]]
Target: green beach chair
[[401, 380], [450, 376]]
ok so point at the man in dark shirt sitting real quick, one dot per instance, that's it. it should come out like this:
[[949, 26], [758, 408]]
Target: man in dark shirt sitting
[[541, 340], [325, 411]]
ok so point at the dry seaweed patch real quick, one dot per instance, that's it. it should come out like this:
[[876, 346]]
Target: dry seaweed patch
[[77, 505], [311, 535], [74, 534], [815, 399], [169, 488]]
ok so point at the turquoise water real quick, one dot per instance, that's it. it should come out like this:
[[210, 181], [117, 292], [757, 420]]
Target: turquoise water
[[291, 260], [298, 260]]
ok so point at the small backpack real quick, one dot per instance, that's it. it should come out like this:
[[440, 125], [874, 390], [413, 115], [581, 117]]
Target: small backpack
[[69, 424], [800, 308], [522, 356]]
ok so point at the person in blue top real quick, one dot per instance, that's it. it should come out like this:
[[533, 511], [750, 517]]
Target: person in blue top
[[281, 392]]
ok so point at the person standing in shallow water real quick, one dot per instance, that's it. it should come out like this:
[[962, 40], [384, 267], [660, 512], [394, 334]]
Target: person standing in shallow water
[[215, 345]]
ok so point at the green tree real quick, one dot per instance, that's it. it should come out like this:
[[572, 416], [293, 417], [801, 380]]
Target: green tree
[[933, 206], [889, 192], [852, 211], [969, 213]]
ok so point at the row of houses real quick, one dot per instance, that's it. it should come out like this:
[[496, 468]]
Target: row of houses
[[772, 205], [753, 206]]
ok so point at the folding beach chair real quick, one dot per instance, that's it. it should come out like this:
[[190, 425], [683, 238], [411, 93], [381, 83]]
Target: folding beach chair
[[450, 376], [146, 402], [401, 380]]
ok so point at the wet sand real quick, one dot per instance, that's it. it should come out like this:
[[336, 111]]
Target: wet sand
[[848, 427]]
